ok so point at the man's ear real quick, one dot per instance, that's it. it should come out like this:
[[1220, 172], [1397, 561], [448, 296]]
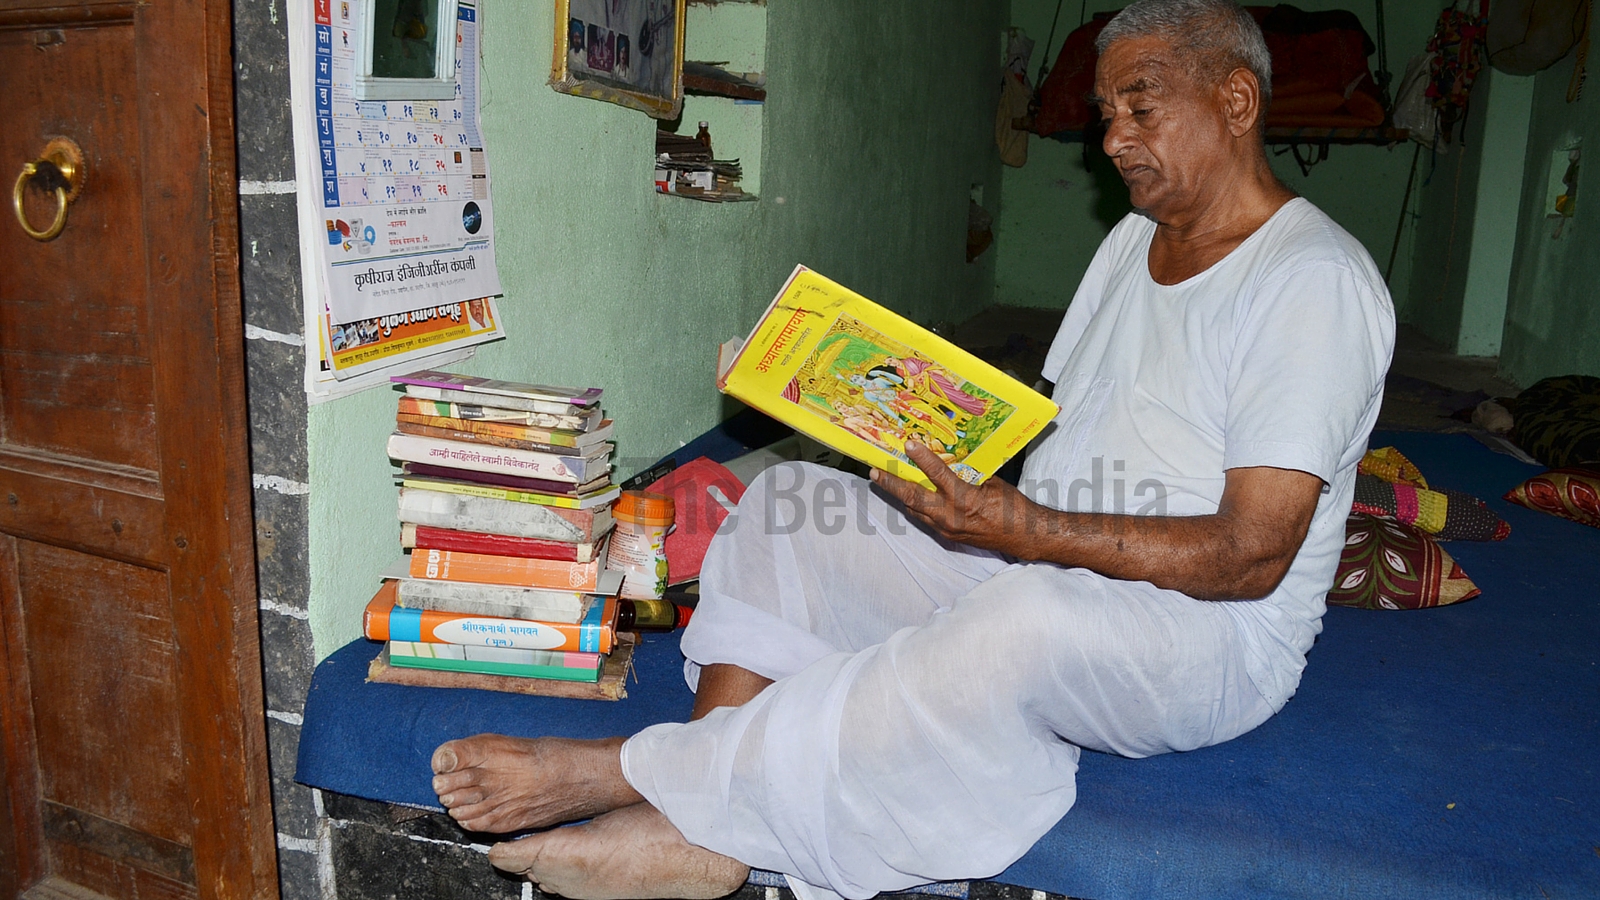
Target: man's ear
[[1241, 101]]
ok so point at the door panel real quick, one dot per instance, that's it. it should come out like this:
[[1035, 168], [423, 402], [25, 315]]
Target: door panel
[[132, 726], [105, 707], [73, 355]]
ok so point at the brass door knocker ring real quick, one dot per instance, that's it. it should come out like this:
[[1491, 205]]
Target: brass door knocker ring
[[58, 170]]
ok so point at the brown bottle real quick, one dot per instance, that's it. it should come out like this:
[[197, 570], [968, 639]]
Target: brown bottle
[[704, 136], [651, 615]]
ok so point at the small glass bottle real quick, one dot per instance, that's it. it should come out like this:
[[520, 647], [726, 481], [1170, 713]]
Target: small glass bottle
[[704, 135], [651, 615]]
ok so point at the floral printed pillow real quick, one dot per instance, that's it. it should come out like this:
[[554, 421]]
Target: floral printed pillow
[[1388, 564]]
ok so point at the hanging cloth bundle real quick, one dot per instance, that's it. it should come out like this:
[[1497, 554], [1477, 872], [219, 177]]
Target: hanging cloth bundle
[[1457, 45], [1526, 36]]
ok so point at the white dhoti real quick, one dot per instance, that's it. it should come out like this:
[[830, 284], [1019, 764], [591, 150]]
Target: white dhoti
[[930, 699]]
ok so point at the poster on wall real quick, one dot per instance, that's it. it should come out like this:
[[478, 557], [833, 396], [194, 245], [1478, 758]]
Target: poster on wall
[[396, 223], [628, 52]]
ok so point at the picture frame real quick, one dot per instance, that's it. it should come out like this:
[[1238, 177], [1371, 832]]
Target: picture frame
[[402, 54], [628, 52]]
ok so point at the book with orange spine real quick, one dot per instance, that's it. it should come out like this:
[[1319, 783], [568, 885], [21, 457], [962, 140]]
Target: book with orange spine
[[514, 571], [384, 621], [404, 426], [550, 437]]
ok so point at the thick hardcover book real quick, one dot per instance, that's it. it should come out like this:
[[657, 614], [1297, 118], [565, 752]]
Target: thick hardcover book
[[504, 460], [612, 685], [602, 497], [549, 437], [480, 568], [536, 485], [862, 380], [384, 621], [588, 420], [560, 607], [432, 378], [430, 538], [526, 520], [555, 665]]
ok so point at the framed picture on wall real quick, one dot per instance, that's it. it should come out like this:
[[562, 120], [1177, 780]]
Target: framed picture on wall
[[628, 52]]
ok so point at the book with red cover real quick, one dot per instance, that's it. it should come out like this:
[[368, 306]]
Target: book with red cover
[[426, 537]]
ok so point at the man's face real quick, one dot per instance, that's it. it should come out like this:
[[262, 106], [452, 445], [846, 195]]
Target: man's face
[[1167, 136]]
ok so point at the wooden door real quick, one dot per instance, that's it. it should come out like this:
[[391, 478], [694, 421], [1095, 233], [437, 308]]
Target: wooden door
[[134, 759]]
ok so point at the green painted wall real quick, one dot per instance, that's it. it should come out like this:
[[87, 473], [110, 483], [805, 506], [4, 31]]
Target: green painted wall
[[878, 122], [1494, 227], [1553, 313], [1056, 210], [1466, 225], [1444, 208]]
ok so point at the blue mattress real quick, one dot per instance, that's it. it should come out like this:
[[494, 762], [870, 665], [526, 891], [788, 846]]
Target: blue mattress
[[1446, 753]]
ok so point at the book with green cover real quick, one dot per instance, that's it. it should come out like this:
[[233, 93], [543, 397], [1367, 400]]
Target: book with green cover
[[551, 664], [863, 380]]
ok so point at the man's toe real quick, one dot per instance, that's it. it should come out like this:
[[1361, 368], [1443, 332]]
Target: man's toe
[[516, 857], [445, 759]]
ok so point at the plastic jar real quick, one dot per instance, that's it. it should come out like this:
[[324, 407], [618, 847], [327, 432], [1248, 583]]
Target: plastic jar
[[639, 543]]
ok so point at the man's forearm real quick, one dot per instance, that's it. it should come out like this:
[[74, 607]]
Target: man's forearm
[[1241, 552], [1201, 556]]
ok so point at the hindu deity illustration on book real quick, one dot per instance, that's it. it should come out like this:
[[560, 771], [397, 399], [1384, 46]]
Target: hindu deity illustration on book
[[886, 393]]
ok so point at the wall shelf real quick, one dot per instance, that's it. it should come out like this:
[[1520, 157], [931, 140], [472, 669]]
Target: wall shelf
[[714, 81]]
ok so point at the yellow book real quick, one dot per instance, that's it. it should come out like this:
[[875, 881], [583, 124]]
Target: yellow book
[[832, 364]]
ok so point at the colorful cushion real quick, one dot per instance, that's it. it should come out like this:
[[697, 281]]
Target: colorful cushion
[[1391, 565], [1389, 464], [1569, 493], [1448, 515], [1558, 421]]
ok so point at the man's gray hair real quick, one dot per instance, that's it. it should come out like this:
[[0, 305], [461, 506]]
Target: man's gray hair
[[1213, 36]]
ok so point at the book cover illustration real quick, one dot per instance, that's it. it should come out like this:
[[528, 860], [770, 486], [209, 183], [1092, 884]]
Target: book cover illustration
[[885, 393], [863, 380]]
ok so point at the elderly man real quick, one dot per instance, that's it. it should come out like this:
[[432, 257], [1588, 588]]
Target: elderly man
[[894, 703]]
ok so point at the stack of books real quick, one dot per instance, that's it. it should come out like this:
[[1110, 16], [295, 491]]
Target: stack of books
[[684, 167], [505, 508]]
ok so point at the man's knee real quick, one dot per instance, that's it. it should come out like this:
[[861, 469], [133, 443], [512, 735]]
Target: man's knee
[[793, 496], [1014, 608]]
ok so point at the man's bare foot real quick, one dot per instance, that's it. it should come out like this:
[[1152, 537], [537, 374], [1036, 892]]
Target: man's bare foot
[[496, 783], [632, 852]]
